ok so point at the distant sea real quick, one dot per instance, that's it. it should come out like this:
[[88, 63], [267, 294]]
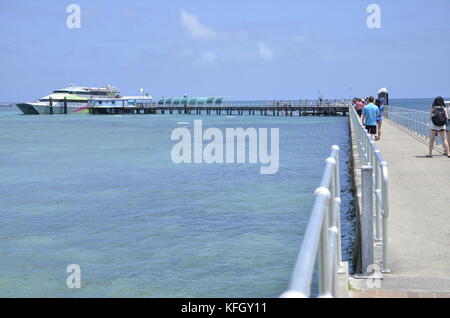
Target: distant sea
[[102, 192], [423, 104]]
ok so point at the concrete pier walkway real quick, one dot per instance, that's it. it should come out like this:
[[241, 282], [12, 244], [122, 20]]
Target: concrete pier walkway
[[419, 221]]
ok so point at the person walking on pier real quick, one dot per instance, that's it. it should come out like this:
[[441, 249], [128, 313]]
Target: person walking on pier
[[359, 107], [439, 119], [369, 116], [380, 105]]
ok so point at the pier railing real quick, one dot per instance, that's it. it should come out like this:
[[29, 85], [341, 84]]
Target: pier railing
[[417, 121], [287, 103], [372, 160], [322, 239], [266, 108], [256, 103]]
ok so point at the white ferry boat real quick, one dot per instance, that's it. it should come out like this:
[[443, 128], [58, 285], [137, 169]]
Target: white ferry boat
[[70, 100]]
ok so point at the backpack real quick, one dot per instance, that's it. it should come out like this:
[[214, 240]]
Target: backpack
[[438, 116]]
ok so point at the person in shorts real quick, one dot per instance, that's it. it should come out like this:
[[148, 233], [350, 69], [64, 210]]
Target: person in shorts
[[369, 116], [438, 128]]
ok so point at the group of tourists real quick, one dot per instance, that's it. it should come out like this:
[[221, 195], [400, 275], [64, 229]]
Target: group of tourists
[[370, 111]]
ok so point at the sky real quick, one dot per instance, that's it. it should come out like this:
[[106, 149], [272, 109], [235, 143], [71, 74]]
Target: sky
[[242, 50]]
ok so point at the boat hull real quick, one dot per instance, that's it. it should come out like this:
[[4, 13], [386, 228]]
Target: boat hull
[[36, 109], [27, 109]]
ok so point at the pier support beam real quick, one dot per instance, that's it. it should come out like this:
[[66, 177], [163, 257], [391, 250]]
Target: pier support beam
[[65, 105]]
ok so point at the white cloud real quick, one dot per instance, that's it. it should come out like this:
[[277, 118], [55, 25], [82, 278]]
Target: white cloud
[[264, 51], [195, 29], [208, 58]]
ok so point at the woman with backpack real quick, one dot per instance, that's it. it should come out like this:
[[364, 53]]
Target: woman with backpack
[[439, 118]]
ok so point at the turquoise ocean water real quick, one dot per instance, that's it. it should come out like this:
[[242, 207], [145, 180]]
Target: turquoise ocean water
[[102, 192]]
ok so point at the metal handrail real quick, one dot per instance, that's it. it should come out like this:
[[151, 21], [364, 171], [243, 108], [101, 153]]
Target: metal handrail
[[415, 120], [322, 238], [370, 155], [262, 103]]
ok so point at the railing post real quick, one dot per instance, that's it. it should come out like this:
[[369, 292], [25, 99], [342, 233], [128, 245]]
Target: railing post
[[324, 275], [337, 204], [378, 205], [332, 261], [385, 195], [367, 219]]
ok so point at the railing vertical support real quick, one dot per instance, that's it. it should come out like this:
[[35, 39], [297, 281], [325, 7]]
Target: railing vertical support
[[378, 204], [385, 192], [367, 218], [337, 205], [324, 275]]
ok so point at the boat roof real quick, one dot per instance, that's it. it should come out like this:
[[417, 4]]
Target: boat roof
[[136, 97], [64, 95], [88, 89]]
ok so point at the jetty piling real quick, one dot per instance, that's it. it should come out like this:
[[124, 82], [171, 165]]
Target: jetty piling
[[65, 105]]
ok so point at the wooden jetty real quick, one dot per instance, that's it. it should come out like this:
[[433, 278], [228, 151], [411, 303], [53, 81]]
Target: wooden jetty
[[326, 110]]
